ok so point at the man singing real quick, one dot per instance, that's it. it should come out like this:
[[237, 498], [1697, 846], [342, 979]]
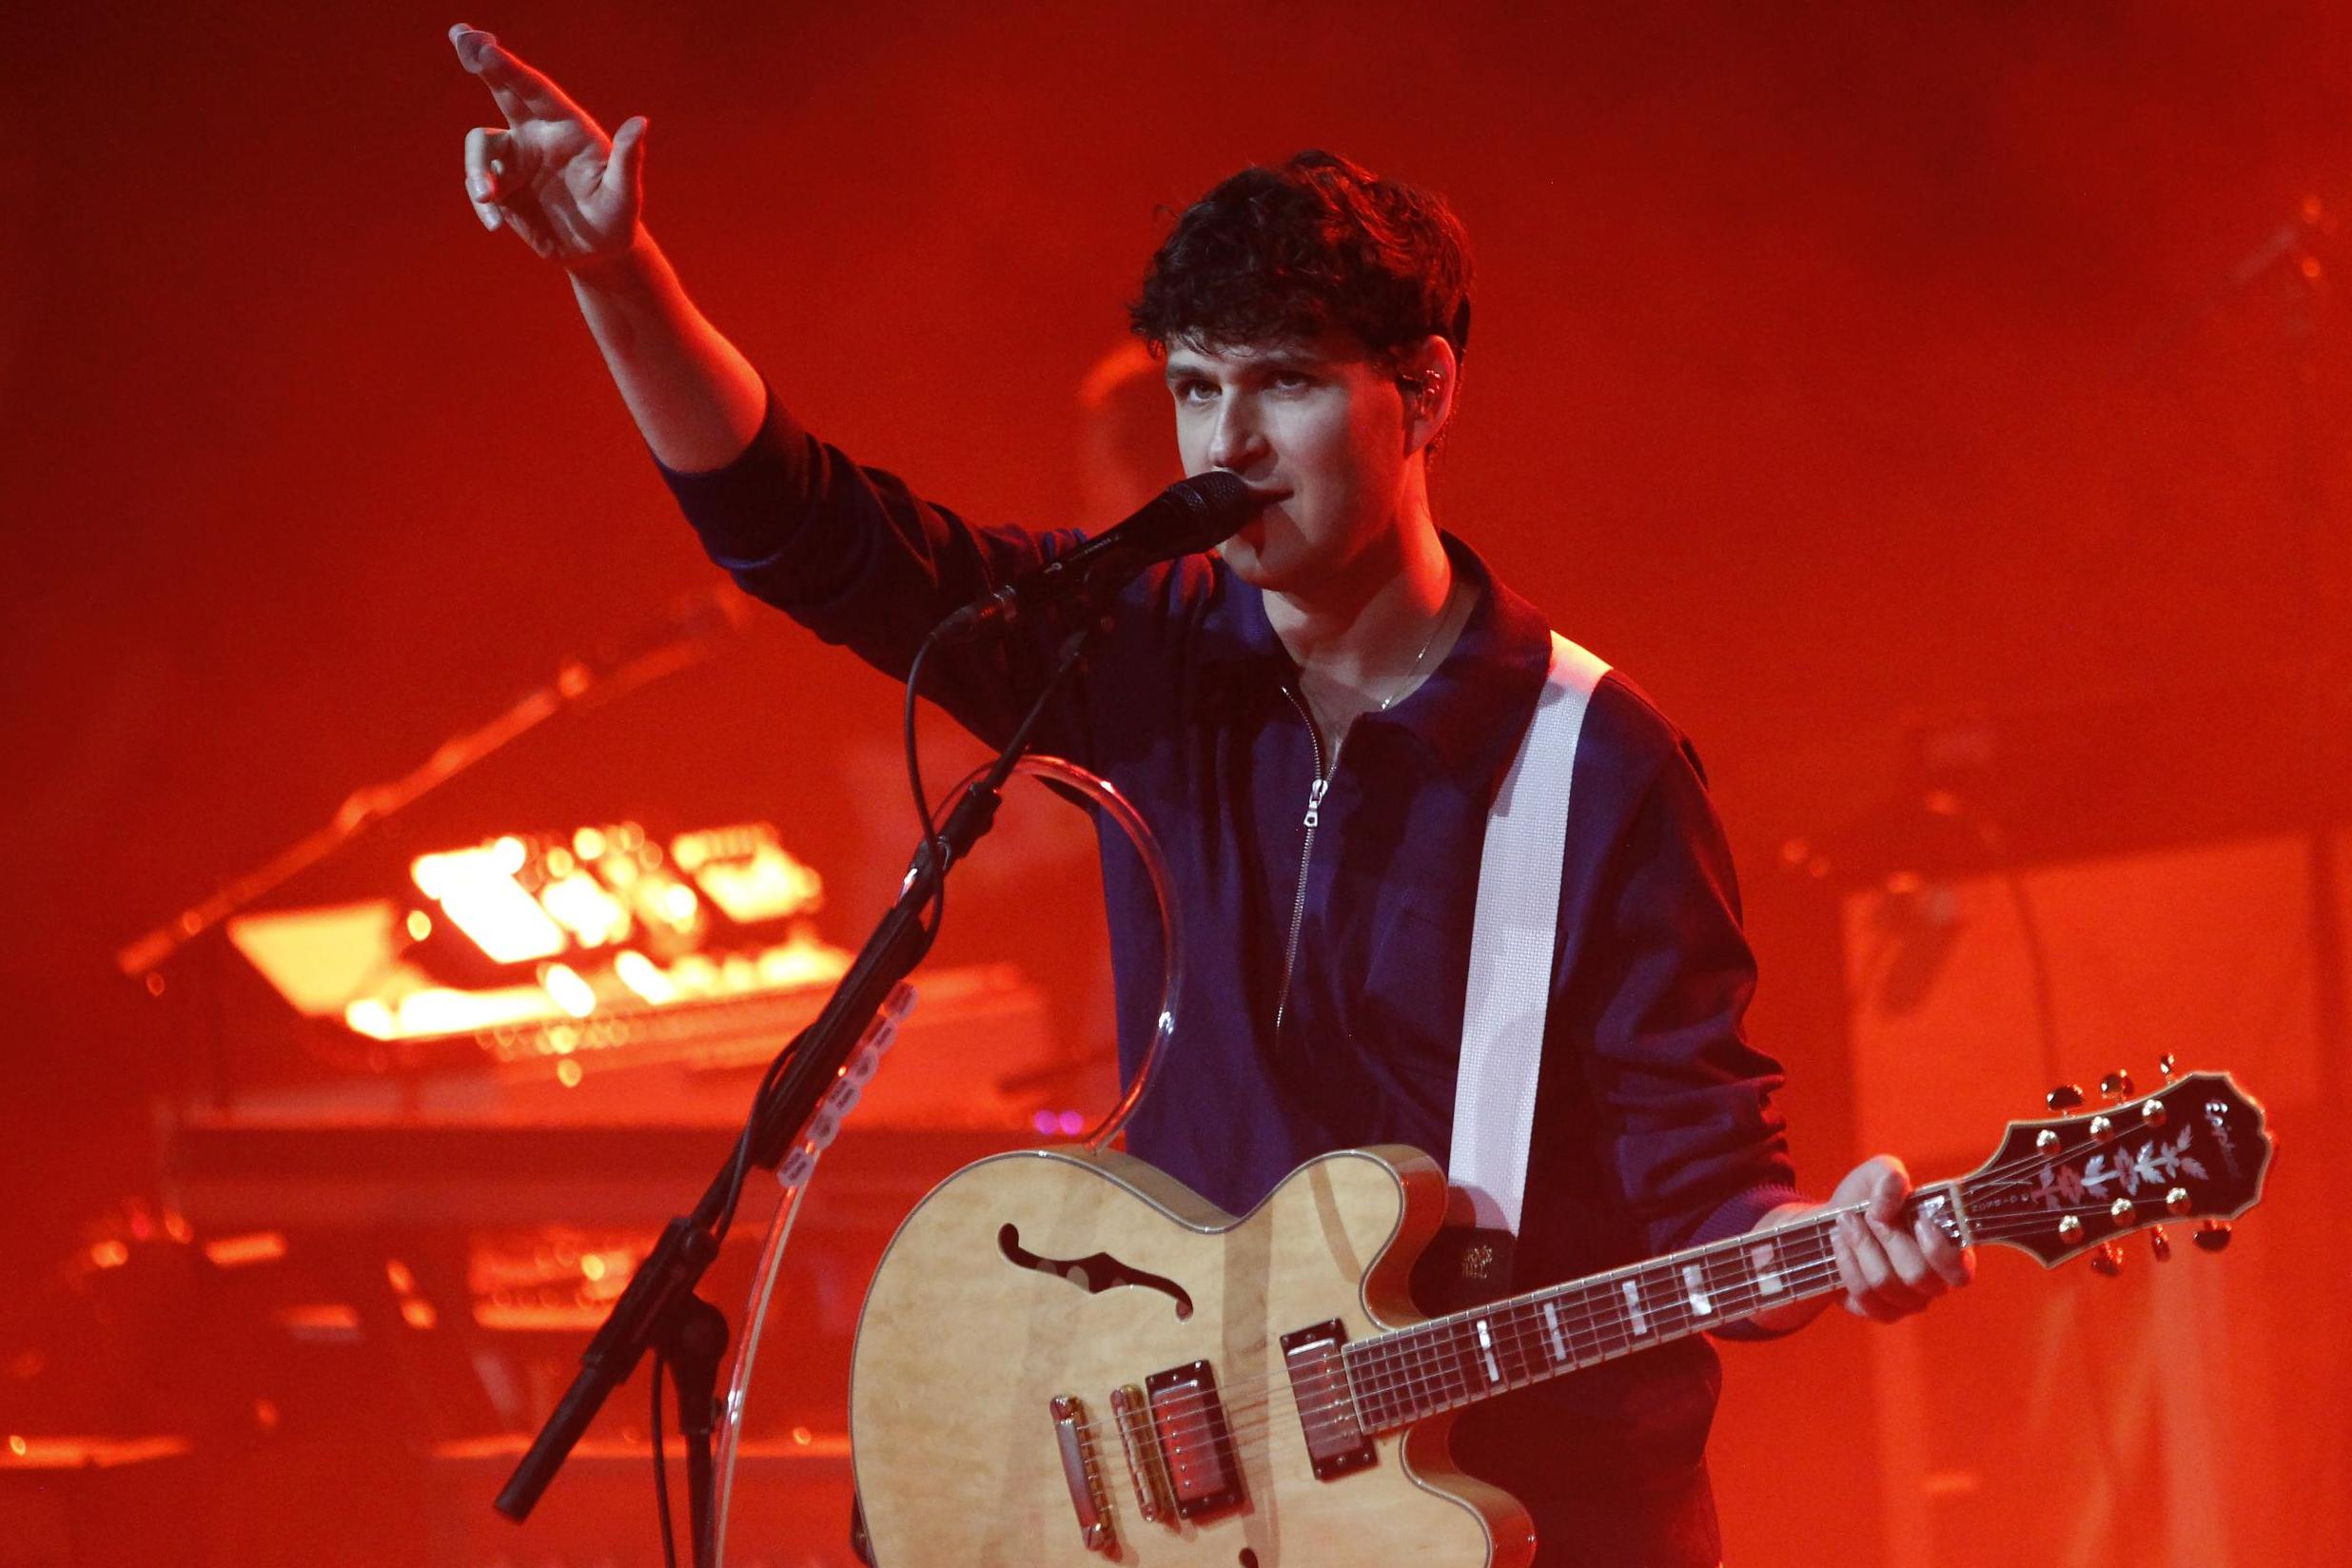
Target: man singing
[[1316, 722]]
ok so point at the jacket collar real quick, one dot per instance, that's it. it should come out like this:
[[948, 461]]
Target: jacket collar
[[1471, 712]]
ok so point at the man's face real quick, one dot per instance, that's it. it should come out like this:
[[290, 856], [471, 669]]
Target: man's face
[[1317, 428]]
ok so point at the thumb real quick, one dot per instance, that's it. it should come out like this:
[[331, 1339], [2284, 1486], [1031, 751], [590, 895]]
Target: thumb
[[1887, 1192], [624, 165]]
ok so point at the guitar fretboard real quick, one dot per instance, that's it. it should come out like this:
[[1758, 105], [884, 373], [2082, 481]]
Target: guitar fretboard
[[1403, 1376]]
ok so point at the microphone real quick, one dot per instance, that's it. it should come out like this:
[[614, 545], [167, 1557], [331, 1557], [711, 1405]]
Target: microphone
[[1189, 516]]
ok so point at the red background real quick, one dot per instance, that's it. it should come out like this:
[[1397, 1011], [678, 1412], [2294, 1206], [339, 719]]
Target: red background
[[1839, 369]]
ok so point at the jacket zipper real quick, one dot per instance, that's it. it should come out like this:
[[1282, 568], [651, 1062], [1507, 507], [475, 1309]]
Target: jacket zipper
[[1306, 849]]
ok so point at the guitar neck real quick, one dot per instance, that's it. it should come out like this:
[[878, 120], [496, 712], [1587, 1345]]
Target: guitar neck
[[1447, 1363]]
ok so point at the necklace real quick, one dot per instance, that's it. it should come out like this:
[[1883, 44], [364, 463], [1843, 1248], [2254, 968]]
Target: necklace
[[1446, 612], [1332, 721]]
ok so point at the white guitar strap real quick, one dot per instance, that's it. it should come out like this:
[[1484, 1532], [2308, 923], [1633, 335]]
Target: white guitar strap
[[1511, 945]]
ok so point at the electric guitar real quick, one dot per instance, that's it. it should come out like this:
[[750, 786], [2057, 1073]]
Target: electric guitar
[[1067, 1358]]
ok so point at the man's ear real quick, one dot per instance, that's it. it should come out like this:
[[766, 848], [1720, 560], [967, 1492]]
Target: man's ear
[[1429, 375]]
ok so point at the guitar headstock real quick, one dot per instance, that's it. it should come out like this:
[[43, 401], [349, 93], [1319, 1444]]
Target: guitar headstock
[[2193, 1151]]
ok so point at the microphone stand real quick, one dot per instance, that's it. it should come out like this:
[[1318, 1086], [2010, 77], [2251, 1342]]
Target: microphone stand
[[687, 635], [660, 1307]]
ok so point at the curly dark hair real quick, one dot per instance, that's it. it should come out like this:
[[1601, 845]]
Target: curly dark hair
[[1314, 243]]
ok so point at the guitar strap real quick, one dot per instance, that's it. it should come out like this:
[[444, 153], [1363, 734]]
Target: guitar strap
[[1512, 939]]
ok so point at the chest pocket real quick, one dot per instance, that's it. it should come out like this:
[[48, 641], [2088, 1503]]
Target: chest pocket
[[1407, 1010]]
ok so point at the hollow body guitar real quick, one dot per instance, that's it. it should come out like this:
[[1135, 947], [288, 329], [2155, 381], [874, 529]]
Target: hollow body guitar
[[1068, 1358]]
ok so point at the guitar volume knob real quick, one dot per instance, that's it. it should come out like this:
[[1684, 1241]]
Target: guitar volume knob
[[2213, 1235]]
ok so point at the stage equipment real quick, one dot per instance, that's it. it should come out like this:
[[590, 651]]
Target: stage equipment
[[690, 631], [556, 945]]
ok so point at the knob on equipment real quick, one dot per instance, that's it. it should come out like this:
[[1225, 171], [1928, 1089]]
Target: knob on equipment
[[2152, 1112], [2177, 1201], [2213, 1235], [2069, 1230], [2064, 1098], [2164, 1065], [2120, 1211], [2047, 1138], [2159, 1243], [2107, 1261], [2116, 1085]]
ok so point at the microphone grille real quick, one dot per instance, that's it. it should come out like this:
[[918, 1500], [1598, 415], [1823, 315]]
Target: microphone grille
[[1213, 505]]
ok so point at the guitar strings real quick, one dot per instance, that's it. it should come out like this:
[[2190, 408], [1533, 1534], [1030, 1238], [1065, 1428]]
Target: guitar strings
[[1418, 1367], [1423, 1371], [1401, 1369], [1405, 1358], [1248, 1423], [1414, 1360], [1421, 1367]]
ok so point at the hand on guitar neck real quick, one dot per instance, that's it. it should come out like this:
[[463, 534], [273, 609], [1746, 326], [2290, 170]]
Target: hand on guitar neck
[[1892, 1264], [1067, 1358]]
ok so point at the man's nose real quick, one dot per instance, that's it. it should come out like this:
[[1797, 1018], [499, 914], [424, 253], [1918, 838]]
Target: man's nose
[[1237, 443]]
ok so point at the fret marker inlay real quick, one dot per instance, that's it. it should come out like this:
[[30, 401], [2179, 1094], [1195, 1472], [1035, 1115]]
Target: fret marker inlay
[[1551, 1323], [1632, 1304], [1695, 1277], [1760, 1260], [1485, 1352]]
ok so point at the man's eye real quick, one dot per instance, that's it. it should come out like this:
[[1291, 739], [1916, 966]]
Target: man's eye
[[1293, 380], [1194, 391]]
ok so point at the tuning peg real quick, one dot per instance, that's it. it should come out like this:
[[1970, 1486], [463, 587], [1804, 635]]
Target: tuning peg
[[2159, 1243], [2164, 1065], [2107, 1261], [2116, 1085], [2213, 1235], [2064, 1098]]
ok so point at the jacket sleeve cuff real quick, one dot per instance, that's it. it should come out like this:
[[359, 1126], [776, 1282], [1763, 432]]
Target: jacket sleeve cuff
[[747, 511], [1737, 1217]]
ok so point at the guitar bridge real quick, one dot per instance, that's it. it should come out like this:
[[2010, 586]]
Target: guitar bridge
[[1153, 1498], [1075, 1440]]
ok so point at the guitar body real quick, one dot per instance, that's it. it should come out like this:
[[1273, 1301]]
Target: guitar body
[[1066, 1357], [1052, 1275]]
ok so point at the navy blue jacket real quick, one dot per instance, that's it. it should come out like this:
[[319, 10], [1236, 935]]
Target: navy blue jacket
[[1654, 1126]]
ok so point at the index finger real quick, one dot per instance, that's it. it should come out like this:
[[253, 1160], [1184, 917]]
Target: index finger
[[522, 93]]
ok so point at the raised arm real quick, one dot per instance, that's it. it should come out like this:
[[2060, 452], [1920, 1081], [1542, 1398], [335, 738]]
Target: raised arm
[[850, 552], [551, 177]]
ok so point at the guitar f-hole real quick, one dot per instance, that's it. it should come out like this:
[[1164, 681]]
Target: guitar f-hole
[[1094, 1273]]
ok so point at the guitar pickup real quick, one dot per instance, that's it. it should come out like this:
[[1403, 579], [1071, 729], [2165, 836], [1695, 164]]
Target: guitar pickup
[[1336, 1444], [1190, 1420]]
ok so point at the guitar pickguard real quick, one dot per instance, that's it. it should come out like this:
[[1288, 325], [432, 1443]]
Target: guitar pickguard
[[1094, 1273]]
